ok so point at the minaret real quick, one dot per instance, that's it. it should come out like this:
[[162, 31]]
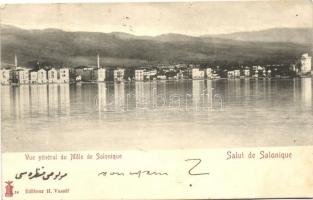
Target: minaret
[[15, 61], [98, 61]]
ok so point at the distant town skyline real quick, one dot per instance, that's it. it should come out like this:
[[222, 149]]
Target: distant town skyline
[[151, 19]]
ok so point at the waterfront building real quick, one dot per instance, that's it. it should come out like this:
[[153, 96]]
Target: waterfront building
[[197, 74], [237, 73], [33, 76], [269, 73], [150, 74], [42, 76], [22, 76], [180, 75], [5, 76], [246, 72], [52, 75], [161, 77], [264, 73], [118, 74], [139, 74], [64, 75], [146, 75], [209, 73], [255, 74], [85, 73], [306, 63], [231, 74], [215, 76], [294, 68], [99, 74]]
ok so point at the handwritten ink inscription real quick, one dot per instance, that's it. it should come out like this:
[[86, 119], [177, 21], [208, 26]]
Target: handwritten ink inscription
[[41, 173], [141, 173]]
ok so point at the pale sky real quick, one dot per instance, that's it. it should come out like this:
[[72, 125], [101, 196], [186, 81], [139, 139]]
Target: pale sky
[[160, 18]]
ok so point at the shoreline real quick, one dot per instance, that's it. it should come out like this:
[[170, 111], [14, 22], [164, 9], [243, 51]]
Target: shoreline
[[167, 80]]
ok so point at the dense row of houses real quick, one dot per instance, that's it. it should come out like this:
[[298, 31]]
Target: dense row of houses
[[27, 76], [50, 75]]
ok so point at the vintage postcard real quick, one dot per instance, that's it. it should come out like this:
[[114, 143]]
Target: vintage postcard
[[157, 100]]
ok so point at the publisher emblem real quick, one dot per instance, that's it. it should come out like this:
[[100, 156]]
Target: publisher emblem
[[9, 189]]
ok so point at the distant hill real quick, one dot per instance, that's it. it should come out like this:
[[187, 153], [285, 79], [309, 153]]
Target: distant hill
[[57, 47], [294, 35]]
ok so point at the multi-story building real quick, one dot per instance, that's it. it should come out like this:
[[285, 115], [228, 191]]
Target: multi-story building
[[237, 73], [139, 74], [231, 74], [306, 64], [209, 73], [255, 74], [180, 74], [64, 75], [246, 72], [5, 76], [99, 74], [33, 76], [52, 75], [42, 76], [85, 73], [269, 73], [118, 74], [22, 76], [197, 74]]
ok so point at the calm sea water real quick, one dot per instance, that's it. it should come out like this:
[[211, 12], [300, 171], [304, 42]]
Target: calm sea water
[[154, 115]]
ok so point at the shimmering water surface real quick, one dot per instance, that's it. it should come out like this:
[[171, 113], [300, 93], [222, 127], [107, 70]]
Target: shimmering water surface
[[155, 115]]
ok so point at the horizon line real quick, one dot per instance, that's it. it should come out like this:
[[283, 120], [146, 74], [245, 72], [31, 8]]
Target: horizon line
[[167, 33]]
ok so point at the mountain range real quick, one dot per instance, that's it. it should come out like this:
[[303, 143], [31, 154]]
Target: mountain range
[[58, 47]]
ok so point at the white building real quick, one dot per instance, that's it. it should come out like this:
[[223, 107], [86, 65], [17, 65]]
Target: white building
[[22, 76], [5, 76], [269, 73], [42, 76], [139, 74], [197, 74], [153, 72], [52, 76], [231, 74], [247, 72], [209, 73], [33, 77], [118, 74], [256, 74], [99, 74], [306, 63], [64, 75], [161, 77], [237, 73]]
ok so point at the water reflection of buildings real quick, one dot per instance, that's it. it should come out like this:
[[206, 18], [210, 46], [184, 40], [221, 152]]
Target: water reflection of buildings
[[34, 100], [196, 92], [102, 97], [6, 100], [53, 97], [65, 98], [119, 96], [139, 94], [210, 93], [23, 100], [306, 92]]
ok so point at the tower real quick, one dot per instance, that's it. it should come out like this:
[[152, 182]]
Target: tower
[[15, 61], [98, 61]]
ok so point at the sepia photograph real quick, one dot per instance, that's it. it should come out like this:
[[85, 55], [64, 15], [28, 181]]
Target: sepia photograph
[[156, 76]]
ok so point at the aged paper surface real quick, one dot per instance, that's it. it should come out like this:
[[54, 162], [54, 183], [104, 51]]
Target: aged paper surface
[[175, 100]]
